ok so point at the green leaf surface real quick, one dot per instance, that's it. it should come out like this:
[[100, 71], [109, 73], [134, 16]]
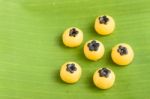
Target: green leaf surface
[[32, 52]]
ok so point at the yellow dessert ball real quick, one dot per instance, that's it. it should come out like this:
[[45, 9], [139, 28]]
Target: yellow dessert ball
[[72, 37], [70, 72], [104, 25], [94, 50], [122, 54], [104, 78]]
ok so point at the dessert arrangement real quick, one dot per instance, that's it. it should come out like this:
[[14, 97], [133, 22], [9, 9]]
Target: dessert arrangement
[[122, 54]]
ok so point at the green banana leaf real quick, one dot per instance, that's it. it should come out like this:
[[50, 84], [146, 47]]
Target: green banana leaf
[[32, 52]]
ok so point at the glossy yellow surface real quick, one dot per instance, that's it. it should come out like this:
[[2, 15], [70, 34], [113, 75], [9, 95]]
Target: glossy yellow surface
[[94, 55], [105, 29], [103, 82], [68, 77], [122, 59], [71, 41]]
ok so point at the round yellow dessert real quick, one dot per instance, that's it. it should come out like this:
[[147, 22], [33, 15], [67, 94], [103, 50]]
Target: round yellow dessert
[[70, 72], [122, 54], [104, 25], [94, 50], [104, 78], [72, 37]]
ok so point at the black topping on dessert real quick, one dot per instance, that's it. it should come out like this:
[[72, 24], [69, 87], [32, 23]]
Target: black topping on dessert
[[104, 72], [122, 50], [73, 32], [71, 68], [103, 19], [93, 45]]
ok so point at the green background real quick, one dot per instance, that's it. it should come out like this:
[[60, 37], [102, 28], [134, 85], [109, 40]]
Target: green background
[[31, 49]]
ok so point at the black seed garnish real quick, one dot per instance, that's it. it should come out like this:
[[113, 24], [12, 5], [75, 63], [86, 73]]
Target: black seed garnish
[[103, 20], [122, 50], [71, 68], [93, 46], [73, 32], [104, 72]]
